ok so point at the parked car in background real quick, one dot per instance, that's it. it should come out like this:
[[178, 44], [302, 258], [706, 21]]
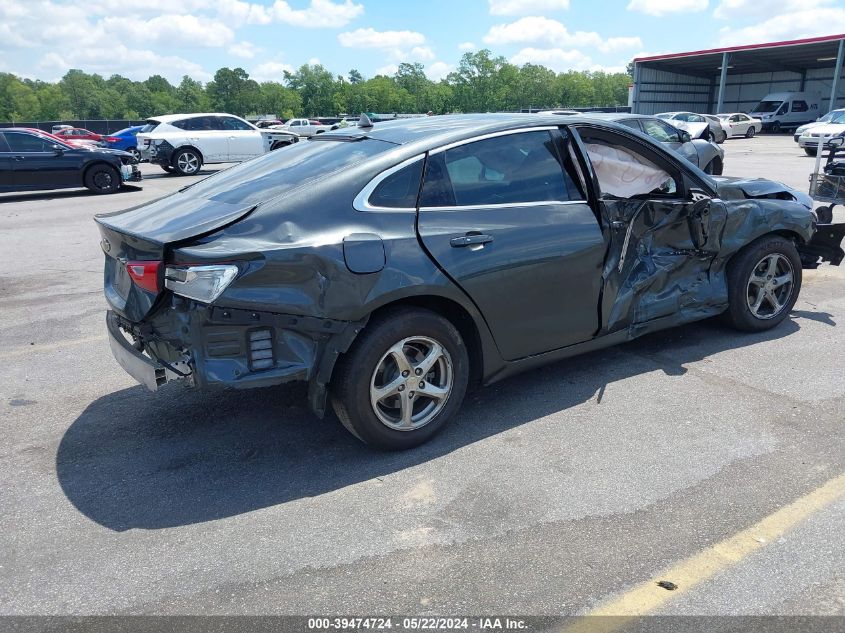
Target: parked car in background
[[809, 138], [125, 140], [834, 116], [183, 143], [390, 266], [265, 123], [786, 110], [724, 131], [303, 127], [695, 124], [32, 161], [705, 155], [79, 134], [740, 124], [59, 127], [55, 138]]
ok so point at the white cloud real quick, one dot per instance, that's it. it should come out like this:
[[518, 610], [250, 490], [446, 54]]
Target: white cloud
[[540, 30], [247, 50], [170, 29], [745, 9], [421, 53], [523, 7], [664, 7], [438, 70], [271, 71], [319, 14], [314, 61], [370, 38], [118, 58], [466, 46], [238, 13], [787, 26], [389, 70], [557, 59]]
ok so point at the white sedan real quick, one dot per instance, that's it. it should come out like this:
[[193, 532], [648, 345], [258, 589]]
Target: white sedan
[[742, 124]]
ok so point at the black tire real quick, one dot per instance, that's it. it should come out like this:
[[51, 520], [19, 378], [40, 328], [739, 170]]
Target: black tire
[[776, 127], [714, 167], [167, 168], [825, 214], [359, 370], [102, 179], [135, 153], [750, 132], [811, 151], [752, 260], [722, 137], [186, 162], [279, 145]]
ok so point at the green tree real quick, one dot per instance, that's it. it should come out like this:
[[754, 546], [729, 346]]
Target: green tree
[[316, 86]]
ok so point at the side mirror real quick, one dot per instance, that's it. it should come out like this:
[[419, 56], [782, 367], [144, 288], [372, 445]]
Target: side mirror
[[685, 136], [58, 150], [836, 142]]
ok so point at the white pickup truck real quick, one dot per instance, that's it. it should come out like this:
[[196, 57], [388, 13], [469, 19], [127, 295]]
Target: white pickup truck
[[303, 127]]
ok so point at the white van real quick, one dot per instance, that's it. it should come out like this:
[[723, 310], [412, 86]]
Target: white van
[[787, 110]]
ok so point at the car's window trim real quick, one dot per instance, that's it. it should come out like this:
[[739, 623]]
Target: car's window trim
[[503, 205], [362, 200], [484, 137]]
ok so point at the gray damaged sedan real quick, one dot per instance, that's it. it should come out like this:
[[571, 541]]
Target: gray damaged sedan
[[391, 267]]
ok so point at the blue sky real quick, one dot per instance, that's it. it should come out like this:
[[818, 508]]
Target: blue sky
[[44, 38]]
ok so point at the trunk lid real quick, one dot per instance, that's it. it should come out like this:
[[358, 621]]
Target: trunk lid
[[144, 234]]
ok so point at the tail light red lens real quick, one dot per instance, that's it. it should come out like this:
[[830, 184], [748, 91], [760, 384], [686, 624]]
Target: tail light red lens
[[111, 139], [145, 275]]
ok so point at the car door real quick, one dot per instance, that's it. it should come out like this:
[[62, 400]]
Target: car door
[[37, 165], [504, 217], [244, 141], [665, 228], [7, 179], [209, 137]]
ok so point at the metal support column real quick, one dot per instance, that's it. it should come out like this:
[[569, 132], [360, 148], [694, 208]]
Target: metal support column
[[635, 98], [835, 86], [726, 58]]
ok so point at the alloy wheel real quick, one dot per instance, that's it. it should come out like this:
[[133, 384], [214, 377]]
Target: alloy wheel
[[187, 162], [770, 286], [103, 179], [411, 383]]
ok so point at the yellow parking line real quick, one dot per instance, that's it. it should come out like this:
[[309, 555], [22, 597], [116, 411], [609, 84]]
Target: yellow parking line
[[647, 596], [49, 347]]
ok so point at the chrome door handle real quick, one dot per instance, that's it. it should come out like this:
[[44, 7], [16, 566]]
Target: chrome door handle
[[470, 240]]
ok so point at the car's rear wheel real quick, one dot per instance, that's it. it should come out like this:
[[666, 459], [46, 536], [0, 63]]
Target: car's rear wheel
[[714, 167], [135, 153], [279, 145], [187, 162], [403, 380], [102, 179], [750, 132], [764, 280]]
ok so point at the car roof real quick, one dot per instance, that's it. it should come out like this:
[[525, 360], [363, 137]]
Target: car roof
[[437, 130], [167, 118]]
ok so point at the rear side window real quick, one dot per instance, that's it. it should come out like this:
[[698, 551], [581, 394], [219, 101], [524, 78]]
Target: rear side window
[[19, 142], [799, 106], [631, 123], [399, 190], [4, 147], [231, 123], [149, 127], [660, 131], [510, 169]]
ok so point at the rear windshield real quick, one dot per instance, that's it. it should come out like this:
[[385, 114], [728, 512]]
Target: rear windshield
[[286, 169], [149, 127], [767, 106]]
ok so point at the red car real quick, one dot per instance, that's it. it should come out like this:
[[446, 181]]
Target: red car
[[79, 134], [67, 141]]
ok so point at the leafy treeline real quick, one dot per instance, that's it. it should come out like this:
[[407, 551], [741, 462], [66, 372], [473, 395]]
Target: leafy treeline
[[481, 83]]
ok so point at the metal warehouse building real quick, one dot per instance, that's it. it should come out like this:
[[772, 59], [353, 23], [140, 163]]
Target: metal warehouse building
[[736, 79]]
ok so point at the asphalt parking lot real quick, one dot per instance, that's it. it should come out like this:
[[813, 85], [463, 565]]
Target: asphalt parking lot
[[561, 491]]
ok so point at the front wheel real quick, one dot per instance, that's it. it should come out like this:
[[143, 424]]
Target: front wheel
[[187, 162], [776, 127], [403, 380], [811, 151], [102, 179], [750, 132], [764, 280]]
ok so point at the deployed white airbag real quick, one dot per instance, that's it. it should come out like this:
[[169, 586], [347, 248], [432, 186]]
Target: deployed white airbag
[[622, 173]]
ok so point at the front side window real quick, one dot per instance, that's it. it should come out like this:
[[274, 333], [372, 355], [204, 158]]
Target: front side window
[[510, 169], [625, 173], [660, 131], [231, 123], [19, 142]]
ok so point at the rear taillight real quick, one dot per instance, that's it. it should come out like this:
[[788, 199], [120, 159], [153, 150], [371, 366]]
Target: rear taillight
[[111, 139], [145, 275]]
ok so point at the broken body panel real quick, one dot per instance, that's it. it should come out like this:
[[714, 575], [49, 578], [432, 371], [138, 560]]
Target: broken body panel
[[312, 268]]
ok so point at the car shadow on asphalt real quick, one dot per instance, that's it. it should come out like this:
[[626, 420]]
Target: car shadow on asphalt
[[134, 459], [61, 194]]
